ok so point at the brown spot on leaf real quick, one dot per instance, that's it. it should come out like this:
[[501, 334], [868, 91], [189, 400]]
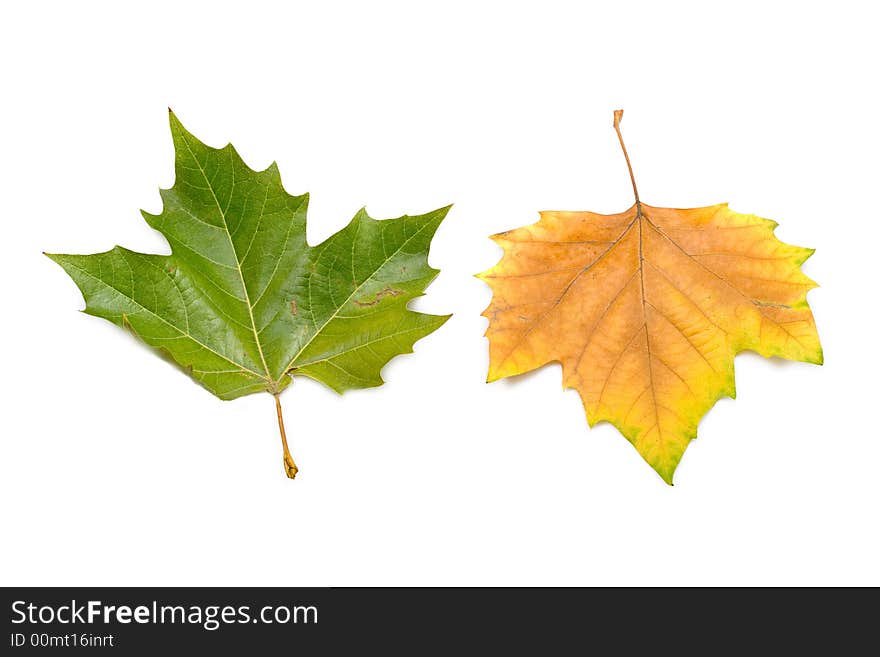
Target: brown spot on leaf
[[768, 304], [387, 292], [293, 308]]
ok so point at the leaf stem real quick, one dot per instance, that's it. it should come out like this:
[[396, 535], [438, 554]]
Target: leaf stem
[[618, 115], [289, 466]]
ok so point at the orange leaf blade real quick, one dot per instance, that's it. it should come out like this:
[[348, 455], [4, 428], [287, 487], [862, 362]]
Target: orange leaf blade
[[645, 310]]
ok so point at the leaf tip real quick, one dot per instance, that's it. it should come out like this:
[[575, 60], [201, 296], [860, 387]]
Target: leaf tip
[[442, 212], [494, 374], [666, 474], [177, 129], [665, 465]]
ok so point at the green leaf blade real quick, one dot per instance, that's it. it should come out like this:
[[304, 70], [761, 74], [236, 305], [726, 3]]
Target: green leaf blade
[[243, 302]]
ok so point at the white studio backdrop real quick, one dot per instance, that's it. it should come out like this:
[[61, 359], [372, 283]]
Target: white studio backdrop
[[117, 469]]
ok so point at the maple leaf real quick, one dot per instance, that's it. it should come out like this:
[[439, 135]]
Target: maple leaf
[[243, 303], [646, 309]]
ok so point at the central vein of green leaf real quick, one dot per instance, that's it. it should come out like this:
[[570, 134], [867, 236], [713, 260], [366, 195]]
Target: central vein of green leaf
[[247, 299]]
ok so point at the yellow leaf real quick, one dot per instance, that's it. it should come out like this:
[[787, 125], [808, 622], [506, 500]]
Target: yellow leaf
[[645, 310]]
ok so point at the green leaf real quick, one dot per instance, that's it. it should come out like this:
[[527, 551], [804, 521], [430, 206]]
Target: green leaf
[[243, 303]]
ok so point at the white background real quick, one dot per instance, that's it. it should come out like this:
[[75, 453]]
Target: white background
[[116, 469]]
